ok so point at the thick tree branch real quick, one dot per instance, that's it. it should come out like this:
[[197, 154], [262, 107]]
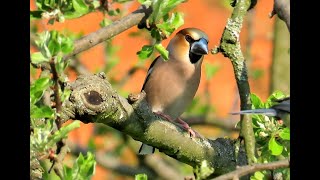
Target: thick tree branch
[[93, 100], [230, 47], [244, 170], [110, 31], [282, 9]]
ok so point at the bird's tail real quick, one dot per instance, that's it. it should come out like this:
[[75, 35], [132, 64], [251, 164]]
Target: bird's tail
[[146, 149], [267, 112]]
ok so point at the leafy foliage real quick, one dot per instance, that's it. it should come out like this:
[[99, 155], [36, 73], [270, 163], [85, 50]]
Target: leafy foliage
[[272, 137], [59, 10], [203, 171], [82, 169], [162, 25], [52, 46]]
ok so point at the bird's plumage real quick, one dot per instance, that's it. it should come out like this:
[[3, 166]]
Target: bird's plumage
[[171, 85]]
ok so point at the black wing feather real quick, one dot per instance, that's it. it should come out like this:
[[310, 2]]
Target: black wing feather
[[152, 64]]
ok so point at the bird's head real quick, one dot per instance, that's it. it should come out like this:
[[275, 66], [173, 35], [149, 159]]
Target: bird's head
[[189, 44]]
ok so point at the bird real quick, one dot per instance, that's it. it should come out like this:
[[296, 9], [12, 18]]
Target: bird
[[171, 85], [281, 110]]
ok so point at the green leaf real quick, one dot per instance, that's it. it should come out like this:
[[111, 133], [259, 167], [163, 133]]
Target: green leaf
[[274, 96], [204, 170], [256, 101], [54, 43], [155, 33], [170, 25], [145, 2], [42, 43], [141, 177], [162, 50], [114, 12], [37, 57], [258, 176], [156, 13], [67, 172], [41, 112], [171, 5], [84, 167], [80, 6], [211, 70], [145, 52], [63, 132], [38, 88], [35, 15], [66, 45], [285, 134], [177, 20], [105, 22], [275, 148]]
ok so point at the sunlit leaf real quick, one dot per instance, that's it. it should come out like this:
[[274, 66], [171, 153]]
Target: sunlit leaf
[[275, 148], [141, 177], [162, 50], [145, 52], [285, 134], [42, 112], [37, 57], [38, 88]]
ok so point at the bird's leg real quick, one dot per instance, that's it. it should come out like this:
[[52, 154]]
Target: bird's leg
[[164, 116], [187, 127]]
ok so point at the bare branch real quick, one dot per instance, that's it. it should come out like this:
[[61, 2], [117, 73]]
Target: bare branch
[[110, 31], [244, 170], [163, 169], [93, 100]]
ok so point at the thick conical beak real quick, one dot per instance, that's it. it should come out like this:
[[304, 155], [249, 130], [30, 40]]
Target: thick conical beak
[[200, 47]]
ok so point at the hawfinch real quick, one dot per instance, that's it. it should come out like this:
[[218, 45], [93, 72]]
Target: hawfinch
[[279, 111], [171, 85]]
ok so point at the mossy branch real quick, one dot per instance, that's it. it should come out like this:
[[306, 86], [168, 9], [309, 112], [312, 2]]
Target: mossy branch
[[230, 47], [93, 100]]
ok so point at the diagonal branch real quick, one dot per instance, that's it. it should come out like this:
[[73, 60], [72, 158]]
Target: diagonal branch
[[93, 100], [230, 47], [110, 31], [244, 170]]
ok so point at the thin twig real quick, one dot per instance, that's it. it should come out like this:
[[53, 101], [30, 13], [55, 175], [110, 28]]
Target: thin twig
[[56, 88], [61, 148], [244, 170]]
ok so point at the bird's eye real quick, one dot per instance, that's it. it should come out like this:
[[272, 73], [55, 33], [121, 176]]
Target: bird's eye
[[189, 38]]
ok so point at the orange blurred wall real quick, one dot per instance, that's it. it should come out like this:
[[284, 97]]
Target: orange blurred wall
[[208, 15]]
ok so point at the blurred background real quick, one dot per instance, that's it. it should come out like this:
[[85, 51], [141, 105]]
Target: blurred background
[[265, 45]]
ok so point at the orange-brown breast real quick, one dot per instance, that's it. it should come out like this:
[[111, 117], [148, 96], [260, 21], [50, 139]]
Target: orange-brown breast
[[172, 86]]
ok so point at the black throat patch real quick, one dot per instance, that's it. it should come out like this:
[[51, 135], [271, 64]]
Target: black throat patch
[[194, 58]]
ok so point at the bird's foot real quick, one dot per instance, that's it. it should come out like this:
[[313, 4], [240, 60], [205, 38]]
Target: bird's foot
[[180, 122], [186, 126]]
